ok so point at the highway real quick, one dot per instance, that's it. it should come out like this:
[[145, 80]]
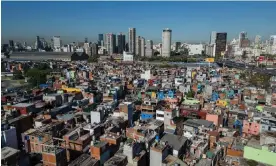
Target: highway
[[244, 66]]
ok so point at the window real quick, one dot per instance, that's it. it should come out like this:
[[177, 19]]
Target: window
[[160, 115]]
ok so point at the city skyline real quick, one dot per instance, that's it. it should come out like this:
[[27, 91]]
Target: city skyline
[[190, 21]]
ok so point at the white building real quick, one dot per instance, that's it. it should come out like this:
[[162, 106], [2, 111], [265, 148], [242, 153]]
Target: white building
[[195, 49], [110, 43], [65, 49], [209, 50], [272, 44], [213, 37], [127, 57], [149, 48], [57, 43], [142, 47], [257, 52], [258, 41], [146, 75], [86, 48], [79, 50], [166, 42], [160, 115], [132, 40], [101, 50]]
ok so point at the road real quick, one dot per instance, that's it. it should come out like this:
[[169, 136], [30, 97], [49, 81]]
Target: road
[[248, 67]]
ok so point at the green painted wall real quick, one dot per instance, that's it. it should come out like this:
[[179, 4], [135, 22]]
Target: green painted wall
[[259, 155]]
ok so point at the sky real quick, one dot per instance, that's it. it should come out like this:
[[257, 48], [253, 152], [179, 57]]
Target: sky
[[189, 21]]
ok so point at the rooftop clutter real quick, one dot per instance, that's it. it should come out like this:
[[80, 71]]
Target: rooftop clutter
[[139, 114]]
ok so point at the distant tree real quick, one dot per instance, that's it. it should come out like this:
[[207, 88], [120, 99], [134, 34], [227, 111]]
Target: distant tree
[[190, 94], [260, 80], [3, 67], [262, 65], [48, 49], [37, 76], [93, 59], [156, 53], [17, 75], [7, 54]]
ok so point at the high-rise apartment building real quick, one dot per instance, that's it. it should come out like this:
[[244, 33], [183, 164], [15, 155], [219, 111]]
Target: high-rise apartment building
[[213, 37], [87, 48], [242, 38], [121, 42], [57, 43], [272, 41], [43, 43], [142, 47], [138, 46], [101, 40], [25, 45], [11, 44], [257, 40], [127, 47], [149, 48], [132, 40], [38, 44], [220, 45], [110, 43], [166, 42], [272, 44], [94, 49], [177, 46]]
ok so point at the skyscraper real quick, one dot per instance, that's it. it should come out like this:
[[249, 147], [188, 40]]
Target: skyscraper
[[258, 40], [25, 44], [132, 40], [121, 42], [138, 46], [149, 48], [272, 44], [101, 40], [177, 46], [110, 43], [213, 37], [94, 49], [220, 46], [87, 48], [11, 44], [242, 38], [56, 43], [43, 43], [86, 40], [142, 53], [38, 43], [166, 42], [127, 48]]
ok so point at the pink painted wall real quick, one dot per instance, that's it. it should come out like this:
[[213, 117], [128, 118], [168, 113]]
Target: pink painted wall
[[251, 127], [216, 119]]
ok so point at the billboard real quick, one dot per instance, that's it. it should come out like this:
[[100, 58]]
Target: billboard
[[209, 59]]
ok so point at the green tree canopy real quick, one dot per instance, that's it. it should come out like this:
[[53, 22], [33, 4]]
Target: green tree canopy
[[260, 80], [17, 75], [37, 76], [190, 94], [93, 59]]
